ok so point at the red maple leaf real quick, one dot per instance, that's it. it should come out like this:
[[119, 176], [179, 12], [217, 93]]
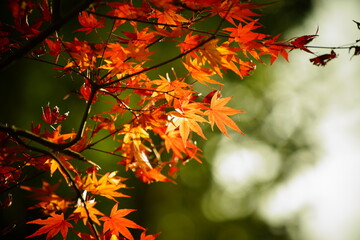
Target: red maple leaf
[[53, 116], [148, 237], [322, 60], [116, 223], [301, 42], [89, 22], [52, 226]]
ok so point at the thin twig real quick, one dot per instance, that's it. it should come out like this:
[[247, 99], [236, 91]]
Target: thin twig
[[159, 64], [85, 116]]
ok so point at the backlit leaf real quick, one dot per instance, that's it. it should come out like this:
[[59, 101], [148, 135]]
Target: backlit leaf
[[52, 226], [218, 114], [117, 224]]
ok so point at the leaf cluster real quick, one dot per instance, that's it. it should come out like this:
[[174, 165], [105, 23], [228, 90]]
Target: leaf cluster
[[153, 121]]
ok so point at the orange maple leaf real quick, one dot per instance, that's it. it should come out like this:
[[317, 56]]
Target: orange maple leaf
[[49, 201], [199, 72], [55, 165], [80, 212], [154, 174], [58, 138], [174, 142], [106, 186], [148, 237], [218, 114], [116, 223], [89, 22], [52, 226], [186, 118], [169, 16], [176, 89], [105, 123]]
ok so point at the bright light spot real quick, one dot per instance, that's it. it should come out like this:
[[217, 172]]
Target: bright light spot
[[237, 168]]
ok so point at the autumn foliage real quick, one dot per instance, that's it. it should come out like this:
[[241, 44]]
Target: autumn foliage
[[153, 120]]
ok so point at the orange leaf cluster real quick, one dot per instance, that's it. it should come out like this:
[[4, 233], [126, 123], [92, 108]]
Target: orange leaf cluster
[[152, 121]]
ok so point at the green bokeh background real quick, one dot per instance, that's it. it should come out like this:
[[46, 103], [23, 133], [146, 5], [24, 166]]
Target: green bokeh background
[[176, 210]]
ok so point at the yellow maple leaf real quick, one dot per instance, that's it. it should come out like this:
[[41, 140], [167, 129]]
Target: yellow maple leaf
[[186, 118], [106, 186]]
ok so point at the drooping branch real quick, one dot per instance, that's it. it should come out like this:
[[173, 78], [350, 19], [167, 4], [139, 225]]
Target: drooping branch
[[69, 177], [16, 133]]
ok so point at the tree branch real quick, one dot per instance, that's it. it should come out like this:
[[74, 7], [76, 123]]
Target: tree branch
[[69, 176], [16, 133]]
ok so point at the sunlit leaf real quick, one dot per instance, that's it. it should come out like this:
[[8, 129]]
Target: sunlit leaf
[[52, 226], [117, 224]]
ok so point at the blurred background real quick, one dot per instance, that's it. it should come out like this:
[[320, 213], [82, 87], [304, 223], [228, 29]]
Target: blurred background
[[295, 175]]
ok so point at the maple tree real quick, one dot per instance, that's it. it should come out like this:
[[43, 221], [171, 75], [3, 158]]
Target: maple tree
[[154, 121]]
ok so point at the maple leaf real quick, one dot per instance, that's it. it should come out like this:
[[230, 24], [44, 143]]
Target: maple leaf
[[231, 10], [80, 212], [152, 175], [85, 91], [174, 142], [274, 49], [89, 22], [186, 118], [116, 223], [300, 42], [133, 149], [168, 16], [55, 165], [105, 123], [217, 56], [322, 60], [244, 33], [52, 226], [138, 51], [53, 116], [176, 89], [198, 72], [106, 186], [190, 42], [148, 237], [49, 200], [55, 48], [218, 114], [58, 138]]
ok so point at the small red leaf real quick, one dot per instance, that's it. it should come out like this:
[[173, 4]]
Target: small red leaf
[[53, 116], [300, 42], [322, 60]]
